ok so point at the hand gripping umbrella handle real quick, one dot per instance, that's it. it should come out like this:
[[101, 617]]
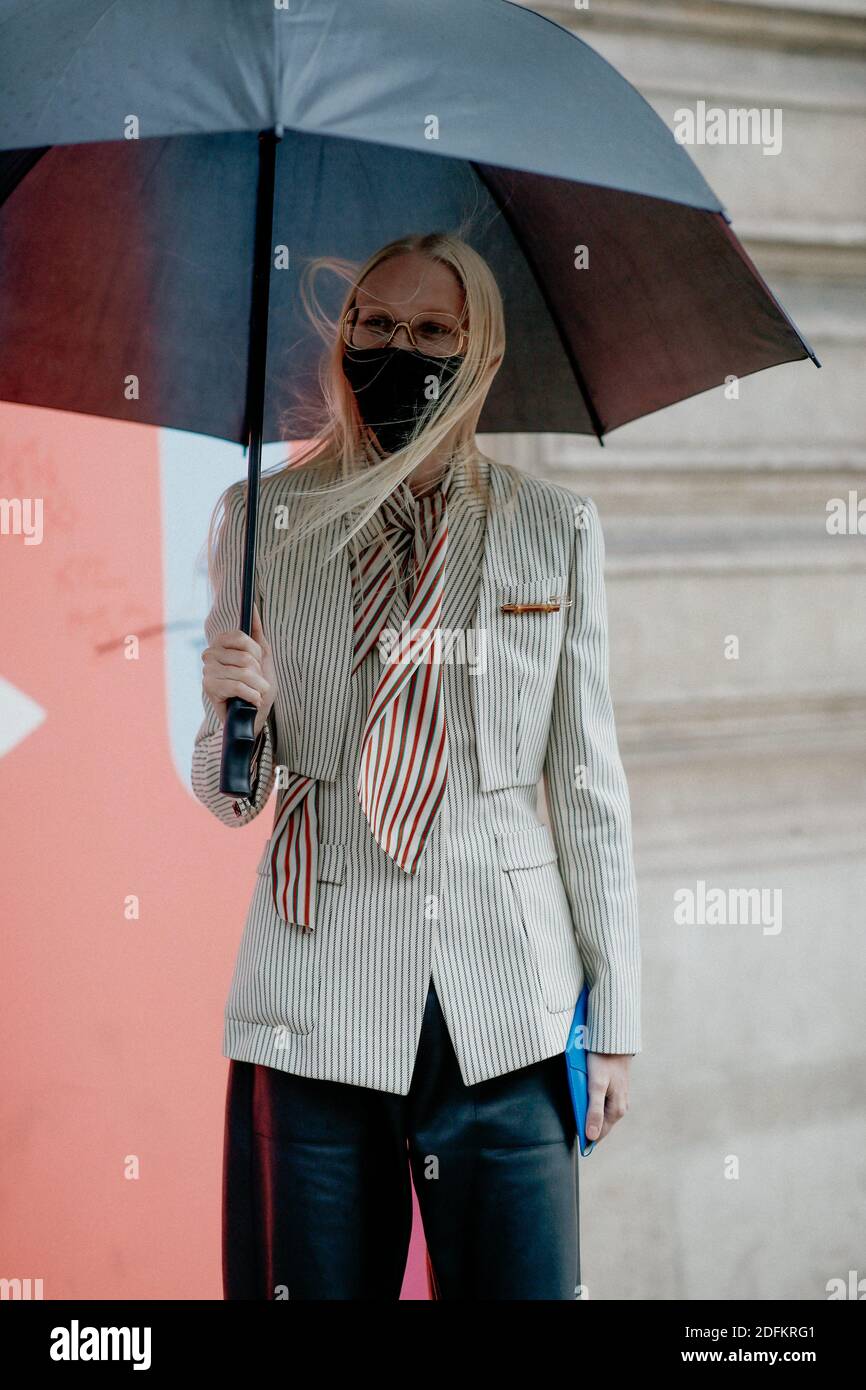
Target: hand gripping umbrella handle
[[238, 735]]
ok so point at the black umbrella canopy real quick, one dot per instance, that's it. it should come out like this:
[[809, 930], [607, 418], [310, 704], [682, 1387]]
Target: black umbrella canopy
[[128, 186]]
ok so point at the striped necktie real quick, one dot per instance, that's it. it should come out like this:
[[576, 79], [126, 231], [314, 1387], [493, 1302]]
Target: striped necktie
[[403, 765]]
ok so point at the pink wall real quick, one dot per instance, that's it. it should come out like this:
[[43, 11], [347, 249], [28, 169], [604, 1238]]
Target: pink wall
[[111, 1029]]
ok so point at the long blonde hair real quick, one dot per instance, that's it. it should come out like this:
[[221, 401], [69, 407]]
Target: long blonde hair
[[343, 472]]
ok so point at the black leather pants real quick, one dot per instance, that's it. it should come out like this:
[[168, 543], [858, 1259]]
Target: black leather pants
[[316, 1187]]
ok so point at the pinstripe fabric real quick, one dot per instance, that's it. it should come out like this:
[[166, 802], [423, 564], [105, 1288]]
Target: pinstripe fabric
[[404, 747], [294, 861], [505, 914]]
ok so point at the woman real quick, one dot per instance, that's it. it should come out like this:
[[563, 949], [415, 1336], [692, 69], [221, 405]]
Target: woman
[[429, 641]]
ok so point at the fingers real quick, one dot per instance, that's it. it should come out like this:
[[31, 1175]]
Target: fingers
[[240, 657], [249, 674], [236, 641], [221, 689], [595, 1116], [608, 1103], [234, 666], [235, 647], [615, 1107]]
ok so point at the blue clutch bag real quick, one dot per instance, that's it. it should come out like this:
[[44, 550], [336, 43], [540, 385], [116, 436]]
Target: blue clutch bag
[[575, 1057]]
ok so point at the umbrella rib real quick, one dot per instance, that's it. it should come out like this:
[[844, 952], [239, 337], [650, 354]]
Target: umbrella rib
[[733, 240], [594, 417]]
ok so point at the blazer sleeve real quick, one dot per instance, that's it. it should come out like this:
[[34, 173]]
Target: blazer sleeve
[[588, 804], [207, 749]]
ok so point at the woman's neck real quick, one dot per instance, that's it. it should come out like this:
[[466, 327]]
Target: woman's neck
[[432, 467]]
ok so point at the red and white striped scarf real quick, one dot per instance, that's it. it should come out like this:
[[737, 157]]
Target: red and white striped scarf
[[403, 766]]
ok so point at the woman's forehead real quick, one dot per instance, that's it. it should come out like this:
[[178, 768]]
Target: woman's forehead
[[412, 283]]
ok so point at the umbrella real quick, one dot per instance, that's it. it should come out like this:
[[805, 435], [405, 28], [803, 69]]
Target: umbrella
[[155, 156]]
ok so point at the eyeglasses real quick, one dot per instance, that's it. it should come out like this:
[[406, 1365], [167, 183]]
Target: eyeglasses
[[434, 335]]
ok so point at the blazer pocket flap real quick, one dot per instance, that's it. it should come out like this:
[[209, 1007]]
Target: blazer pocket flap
[[332, 859], [547, 589], [526, 849]]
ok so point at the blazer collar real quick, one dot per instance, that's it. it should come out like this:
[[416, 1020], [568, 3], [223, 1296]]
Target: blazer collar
[[463, 498]]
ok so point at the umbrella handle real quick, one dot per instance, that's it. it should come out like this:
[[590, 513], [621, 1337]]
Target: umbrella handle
[[238, 740]]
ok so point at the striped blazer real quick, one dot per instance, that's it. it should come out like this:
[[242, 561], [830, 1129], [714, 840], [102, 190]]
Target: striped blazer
[[508, 914]]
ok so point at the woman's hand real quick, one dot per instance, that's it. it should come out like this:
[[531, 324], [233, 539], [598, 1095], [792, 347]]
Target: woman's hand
[[240, 665], [607, 1078]]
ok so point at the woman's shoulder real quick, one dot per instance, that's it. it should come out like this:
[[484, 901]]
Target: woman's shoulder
[[281, 494], [286, 485], [539, 500]]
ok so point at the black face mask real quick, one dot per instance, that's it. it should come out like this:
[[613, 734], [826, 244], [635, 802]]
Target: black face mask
[[392, 387]]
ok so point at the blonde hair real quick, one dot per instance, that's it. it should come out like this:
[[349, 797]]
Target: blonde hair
[[344, 473]]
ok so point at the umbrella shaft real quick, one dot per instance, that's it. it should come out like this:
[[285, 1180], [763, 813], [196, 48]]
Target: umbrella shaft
[[257, 360]]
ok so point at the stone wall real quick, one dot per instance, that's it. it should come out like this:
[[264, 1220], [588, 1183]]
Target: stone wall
[[740, 1171]]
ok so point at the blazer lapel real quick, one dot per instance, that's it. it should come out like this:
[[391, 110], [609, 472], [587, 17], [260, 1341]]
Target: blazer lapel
[[321, 654], [526, 554], [467, 519], [494, 744]]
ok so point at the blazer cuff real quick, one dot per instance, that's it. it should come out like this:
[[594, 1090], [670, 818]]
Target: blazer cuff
[[613, 1020], [260, 769]]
